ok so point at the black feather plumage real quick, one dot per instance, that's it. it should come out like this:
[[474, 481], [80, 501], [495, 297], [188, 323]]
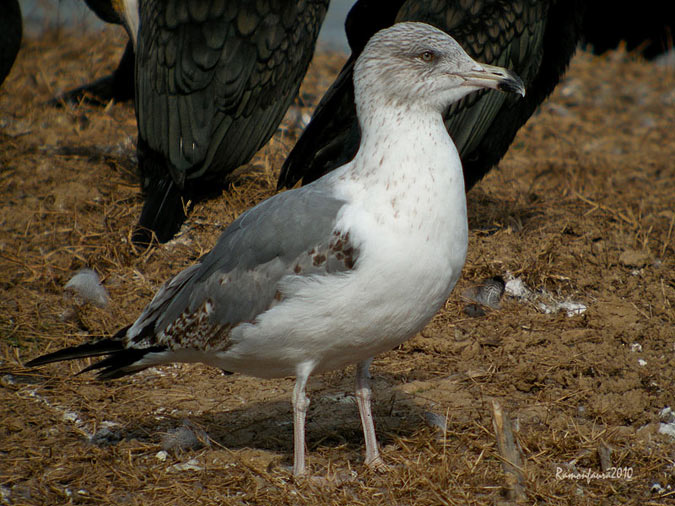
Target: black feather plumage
[[96, 349], [119, 361]]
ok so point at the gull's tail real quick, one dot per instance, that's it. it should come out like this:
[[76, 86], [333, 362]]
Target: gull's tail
[[119, 361]]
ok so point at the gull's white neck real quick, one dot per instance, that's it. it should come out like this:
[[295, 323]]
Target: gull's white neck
[[409, 170]]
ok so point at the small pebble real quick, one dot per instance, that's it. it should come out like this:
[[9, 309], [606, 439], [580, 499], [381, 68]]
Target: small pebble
[[435, 420], [656, 488], [474, 310], [667, 414], [105, 437], [185, 437], [190, 465]]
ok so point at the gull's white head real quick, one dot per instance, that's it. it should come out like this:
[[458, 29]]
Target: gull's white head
[[415, 64]]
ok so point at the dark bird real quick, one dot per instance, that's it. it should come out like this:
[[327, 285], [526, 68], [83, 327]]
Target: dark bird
[[338, 271], [11, 29], [535, 38], [213, 80]]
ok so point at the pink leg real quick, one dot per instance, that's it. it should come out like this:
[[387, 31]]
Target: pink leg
[[363, 396], [300, 406]]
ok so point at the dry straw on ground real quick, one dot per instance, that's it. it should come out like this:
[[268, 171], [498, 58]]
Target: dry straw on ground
[[582, 207]]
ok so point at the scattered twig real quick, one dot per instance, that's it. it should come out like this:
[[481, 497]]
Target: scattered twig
[[511, 460], [631, 221]]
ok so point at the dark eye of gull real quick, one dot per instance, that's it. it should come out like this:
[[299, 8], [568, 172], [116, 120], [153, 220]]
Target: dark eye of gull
[[427, 56]]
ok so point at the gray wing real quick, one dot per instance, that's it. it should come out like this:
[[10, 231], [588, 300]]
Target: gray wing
[[214, 78], [290, 233]]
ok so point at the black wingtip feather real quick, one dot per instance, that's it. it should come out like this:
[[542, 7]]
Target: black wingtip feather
[[120, 361], [103, 347]]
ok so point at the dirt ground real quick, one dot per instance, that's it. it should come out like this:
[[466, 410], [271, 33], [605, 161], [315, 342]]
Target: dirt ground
[[581, 210]]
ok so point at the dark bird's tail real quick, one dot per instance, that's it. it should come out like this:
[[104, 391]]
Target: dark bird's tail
[[119, 361], [162, 212]]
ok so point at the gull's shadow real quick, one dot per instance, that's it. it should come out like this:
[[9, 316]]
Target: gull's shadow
[[332, 421]]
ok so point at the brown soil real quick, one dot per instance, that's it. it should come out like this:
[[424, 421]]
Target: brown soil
[[581, 207]]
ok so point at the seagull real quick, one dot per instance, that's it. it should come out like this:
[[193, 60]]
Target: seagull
[[534, 38], [338, 271]]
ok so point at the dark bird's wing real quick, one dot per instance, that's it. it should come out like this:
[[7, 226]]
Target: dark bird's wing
[[238, 280], [534, 38], [214, 79], [11, 30]]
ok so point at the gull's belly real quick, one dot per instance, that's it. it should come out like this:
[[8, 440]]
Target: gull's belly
[[334, 320]]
